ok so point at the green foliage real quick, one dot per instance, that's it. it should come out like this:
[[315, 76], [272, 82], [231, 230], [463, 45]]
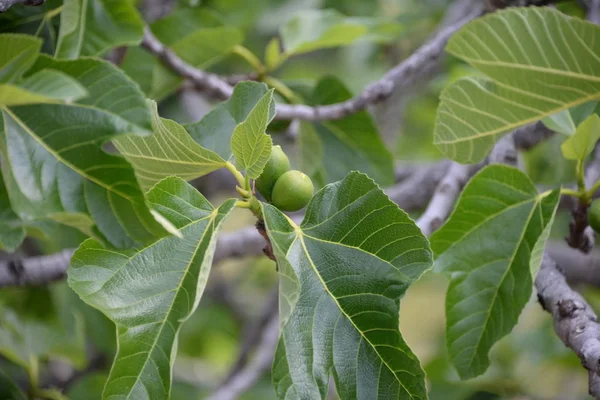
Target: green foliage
[[148, 301], [250, 144], [196, 35], [215, 130], [46, 86], [169, 151], [351, 143], [18, 54], [489, 248], [537, 61], [341, 283], [582, 143], [90, 27], [11, 228], [71, 145], [567, 121]]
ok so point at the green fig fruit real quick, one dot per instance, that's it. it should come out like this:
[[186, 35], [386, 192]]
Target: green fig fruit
[[292, 191], [277, 165], [594, 215]]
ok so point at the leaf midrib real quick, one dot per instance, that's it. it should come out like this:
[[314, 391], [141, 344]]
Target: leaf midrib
[[209, 226], [509, 268], [65, 162], [303, 244]]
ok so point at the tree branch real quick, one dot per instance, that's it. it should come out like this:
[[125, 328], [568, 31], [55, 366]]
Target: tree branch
[[249, 374], [6, 4], [575, 322], [420, 62]]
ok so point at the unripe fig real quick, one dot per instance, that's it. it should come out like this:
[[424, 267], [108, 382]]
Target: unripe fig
[[277, 165], [292, 191], [594, 215]]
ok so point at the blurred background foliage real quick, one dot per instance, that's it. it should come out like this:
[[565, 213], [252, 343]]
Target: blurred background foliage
[[531, 363]]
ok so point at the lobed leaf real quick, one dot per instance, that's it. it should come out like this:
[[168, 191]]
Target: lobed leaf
[[150, 291], [169, 151], [53, 163], [18, 55], [538, 62], [250, 144], [489, 248], [343, 272]]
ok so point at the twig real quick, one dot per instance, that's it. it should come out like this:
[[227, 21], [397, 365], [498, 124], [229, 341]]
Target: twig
[[404, 73], [6, 4], [252, 336], [575, 322], [252, 372]]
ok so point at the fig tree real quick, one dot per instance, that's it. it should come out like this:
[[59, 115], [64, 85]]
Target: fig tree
[[292, 191], [277, 165]]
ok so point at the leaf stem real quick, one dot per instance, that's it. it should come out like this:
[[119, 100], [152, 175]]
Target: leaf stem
[[281, 88], [250, 58], [242, 204], [237, 174], [570, 192]]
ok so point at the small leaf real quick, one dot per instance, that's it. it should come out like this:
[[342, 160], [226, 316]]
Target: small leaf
[[91, 27], [46, 86], [348, 144], [311, 30], [342, 278], [169, 151], [488, 248], [582, 143], [18, 55], [273, 56], [538, 62], [566, 121], [149, 292], [250, 144], [215, 129], [9, 389]]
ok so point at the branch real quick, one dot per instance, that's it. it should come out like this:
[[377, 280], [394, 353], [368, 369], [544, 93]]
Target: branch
[[575, 322], [451, 185], [6, 4], [247, 376], [420, 62]]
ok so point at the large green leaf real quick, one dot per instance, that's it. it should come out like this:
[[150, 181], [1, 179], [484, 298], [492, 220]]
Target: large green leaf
[[90, 27], [582, 143], [343, 272], [18, 54], [250, 144], [169, 151], [149, 292], [196, 36], [54, 165], [489, 248], [214, 131], [538, 62], [348, 144], [46, 86]]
